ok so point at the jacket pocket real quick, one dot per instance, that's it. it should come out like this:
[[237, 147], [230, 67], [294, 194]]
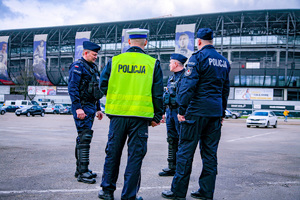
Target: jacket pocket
[[187, 130]]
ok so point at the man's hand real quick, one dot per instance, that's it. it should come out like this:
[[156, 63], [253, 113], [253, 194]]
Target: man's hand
[[181, 118], [163, 119], [80, 114], [99, 115], [153, 124]]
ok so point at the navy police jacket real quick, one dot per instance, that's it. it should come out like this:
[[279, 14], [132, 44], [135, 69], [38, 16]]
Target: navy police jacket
[[172, 86], [157, 86], [204, 89], [77, 74]]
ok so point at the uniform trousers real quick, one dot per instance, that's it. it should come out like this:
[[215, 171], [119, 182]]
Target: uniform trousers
[[121, 128], [207, 132], [87, 122], [172, 123]]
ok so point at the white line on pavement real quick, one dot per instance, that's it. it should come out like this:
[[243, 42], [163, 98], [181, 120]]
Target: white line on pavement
[[71, 190], [253, 136]]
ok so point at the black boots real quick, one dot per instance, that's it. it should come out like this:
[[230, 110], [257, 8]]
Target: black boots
[[86, 177], [172, 150], [168, 194], [167, 172], [197, 195], [106, 195], [82, 154], [94, 175]]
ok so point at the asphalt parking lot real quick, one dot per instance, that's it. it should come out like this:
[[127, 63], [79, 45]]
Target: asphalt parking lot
[[37, 160]]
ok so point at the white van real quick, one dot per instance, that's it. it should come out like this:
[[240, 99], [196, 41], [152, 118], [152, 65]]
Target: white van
[[46, 104], [19, 103], [9, 103]]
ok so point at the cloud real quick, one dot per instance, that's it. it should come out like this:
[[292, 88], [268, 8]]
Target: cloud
[[16, 14]]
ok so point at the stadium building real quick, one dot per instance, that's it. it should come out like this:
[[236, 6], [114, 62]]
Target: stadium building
[[262, 46]]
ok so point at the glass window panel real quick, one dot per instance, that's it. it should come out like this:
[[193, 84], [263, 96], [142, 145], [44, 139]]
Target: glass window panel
[[236, 80], [268, 81], [243, 80]]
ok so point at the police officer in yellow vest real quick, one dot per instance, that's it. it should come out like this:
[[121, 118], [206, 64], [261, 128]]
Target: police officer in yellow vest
[[133, 85]]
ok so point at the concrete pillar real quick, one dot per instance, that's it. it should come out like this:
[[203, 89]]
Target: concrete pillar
[[229, 56], [278, 58], [285, 95]]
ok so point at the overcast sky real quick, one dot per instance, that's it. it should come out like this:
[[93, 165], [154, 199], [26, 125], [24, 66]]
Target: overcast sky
[[17, 14]]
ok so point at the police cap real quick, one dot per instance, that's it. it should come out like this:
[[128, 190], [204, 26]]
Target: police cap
[[205, 34], [137, 33], [91, 46], [179, 57]]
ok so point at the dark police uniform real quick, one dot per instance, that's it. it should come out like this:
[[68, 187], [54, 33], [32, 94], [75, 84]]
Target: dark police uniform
[[83, 90], [133, 127], [171, 108], [202, 99]]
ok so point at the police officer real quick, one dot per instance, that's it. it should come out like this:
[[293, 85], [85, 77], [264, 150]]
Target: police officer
[[177, 66], [202, 100], [132, 83], [84, 93]]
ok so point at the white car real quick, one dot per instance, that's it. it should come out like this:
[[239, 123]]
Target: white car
[[264, 118]]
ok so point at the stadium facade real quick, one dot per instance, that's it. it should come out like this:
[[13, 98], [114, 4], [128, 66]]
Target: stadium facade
[[262, 46]]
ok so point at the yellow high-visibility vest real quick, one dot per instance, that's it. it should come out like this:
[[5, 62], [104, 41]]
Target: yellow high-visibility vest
[[130, 85]]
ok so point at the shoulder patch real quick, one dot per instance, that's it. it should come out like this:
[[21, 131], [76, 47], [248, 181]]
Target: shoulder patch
[[188, 71]]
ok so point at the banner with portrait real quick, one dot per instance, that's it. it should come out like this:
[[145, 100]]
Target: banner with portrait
[[125, 37], [39, 59], [253, 94], [4, 78], [79, 39], [184, 39]]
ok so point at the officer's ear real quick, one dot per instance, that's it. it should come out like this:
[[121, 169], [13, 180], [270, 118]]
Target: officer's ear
[[146, 42], [129, 41], [199, 42]]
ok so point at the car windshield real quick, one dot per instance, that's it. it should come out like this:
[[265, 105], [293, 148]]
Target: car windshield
[[260, 113]]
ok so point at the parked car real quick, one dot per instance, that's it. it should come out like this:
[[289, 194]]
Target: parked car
[[30, 110], [65, 110], [2, 110], [232, 114], [264, 118], [228, 114], [10, 108], [54, 109]]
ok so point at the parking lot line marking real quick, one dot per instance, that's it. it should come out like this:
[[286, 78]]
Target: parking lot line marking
[[284, 183], [71, 190], [253, 136]]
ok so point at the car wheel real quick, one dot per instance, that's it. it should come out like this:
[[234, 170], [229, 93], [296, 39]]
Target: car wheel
[[2, 112], [43, 114], [256, 126], [248, 126], [55, 112], [234, 117], [275, 125], [28, 114], [18, 115], [268, 124]]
